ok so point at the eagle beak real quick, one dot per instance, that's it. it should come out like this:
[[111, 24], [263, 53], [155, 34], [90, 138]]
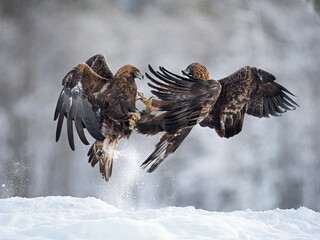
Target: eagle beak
[[139, 75], [186, 71]]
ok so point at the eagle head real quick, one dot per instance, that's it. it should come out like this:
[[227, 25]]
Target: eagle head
[[129, 71], [197, 70]]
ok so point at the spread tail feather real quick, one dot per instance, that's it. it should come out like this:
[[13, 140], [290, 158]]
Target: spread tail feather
[[167, 145], [103, 152], [229, 125]]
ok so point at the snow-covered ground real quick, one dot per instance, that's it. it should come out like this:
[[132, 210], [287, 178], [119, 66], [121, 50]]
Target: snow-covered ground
[[91, 218]]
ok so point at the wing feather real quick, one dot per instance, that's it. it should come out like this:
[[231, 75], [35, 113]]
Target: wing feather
[[168, 73], [79, 127], [77, 100], [249, 90], [275, 95], [63, 106], [59, 126], [185, 97], [70, 131], [98, 64]]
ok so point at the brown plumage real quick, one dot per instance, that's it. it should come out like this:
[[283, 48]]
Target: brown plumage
[[150, 124], [173, 137], [221, 104], [249, 90], [96, 99]]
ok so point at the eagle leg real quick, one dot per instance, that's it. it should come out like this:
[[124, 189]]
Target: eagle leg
[[147, 102], [134, 117]]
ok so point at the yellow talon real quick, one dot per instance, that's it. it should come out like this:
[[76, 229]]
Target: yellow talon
[[134, 117], [132, 124], [147, 102]]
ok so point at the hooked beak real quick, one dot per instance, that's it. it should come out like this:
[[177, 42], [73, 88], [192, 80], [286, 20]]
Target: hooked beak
[[185, 71], [139, 75]]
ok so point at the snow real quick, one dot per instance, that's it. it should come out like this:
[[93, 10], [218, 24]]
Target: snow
[[91, 218]]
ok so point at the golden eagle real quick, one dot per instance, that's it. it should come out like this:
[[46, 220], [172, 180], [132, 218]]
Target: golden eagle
[[93, 98], [219, 104]]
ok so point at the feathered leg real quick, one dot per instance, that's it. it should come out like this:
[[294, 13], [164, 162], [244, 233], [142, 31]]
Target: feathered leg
[[167, 145], [103, 152]]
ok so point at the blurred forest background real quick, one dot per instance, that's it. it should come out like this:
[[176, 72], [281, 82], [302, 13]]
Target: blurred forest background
[[272, 163]]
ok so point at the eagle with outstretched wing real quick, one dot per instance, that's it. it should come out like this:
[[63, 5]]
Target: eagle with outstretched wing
[[103, 103], [220, 104]]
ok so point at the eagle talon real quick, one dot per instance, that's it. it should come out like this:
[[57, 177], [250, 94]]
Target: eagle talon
[[132, 124], [147, 102], [134, 117]]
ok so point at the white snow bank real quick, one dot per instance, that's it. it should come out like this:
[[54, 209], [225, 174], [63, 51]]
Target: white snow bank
[[90, 218]]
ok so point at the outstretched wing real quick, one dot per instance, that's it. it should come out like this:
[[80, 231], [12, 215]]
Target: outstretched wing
[[98, 64], [271, 98], [78, 99], [188, 98], [249, 90]]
